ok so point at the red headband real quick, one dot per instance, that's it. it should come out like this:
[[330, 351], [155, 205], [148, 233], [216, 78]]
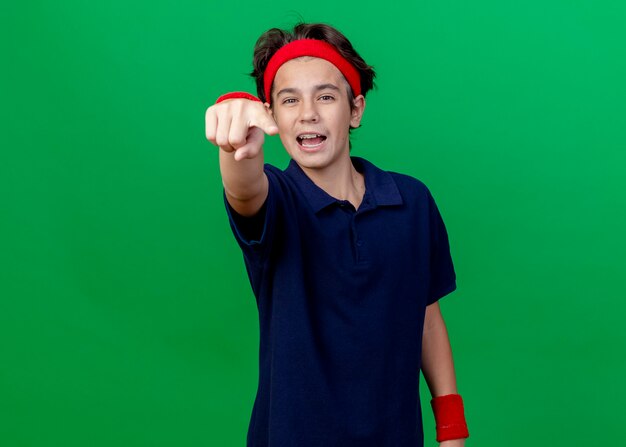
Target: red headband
[[315, 48]]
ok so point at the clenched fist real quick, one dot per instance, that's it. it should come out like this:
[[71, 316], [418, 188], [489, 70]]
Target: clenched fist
[[239, 125]]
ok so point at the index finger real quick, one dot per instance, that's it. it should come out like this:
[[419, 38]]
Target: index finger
[[265, 122]]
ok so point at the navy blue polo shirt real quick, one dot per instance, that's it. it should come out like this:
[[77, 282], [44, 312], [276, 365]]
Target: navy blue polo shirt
[[341, 296]]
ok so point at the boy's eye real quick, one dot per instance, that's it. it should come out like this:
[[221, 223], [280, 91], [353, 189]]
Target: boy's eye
[[326, 97], [289, 101]]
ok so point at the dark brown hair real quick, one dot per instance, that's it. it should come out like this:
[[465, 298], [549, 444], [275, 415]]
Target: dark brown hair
[[272, 40]]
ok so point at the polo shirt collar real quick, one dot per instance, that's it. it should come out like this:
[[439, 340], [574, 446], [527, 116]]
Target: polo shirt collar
[[380, 187]]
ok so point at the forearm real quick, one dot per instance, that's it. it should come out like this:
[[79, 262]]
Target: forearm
[[437, 362], [244, 182]]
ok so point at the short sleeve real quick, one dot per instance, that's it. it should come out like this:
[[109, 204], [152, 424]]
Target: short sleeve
[[248, 229], [442, 274]]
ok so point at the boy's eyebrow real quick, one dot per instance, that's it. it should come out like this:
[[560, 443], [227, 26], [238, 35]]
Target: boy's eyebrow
[[316, 88]]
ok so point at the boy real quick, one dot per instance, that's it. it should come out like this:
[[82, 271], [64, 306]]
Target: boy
[[346, 261]]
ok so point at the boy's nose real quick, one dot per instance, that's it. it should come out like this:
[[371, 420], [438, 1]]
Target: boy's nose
[[308, 112]]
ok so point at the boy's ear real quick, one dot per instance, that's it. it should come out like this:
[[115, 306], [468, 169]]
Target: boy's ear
[[357, 112], [269, 108]]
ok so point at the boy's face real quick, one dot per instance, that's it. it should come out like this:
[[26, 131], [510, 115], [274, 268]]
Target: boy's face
[[310, 98]]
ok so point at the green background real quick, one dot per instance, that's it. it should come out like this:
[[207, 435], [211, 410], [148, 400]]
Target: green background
[[126, 317]]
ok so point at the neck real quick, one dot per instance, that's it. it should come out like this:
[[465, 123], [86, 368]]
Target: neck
[[341, 181]]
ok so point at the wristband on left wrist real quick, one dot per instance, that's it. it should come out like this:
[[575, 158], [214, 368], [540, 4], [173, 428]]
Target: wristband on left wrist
[[235, 95], [449, 417]]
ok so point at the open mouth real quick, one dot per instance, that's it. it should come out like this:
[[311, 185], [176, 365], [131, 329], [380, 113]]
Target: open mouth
[[310, 139]]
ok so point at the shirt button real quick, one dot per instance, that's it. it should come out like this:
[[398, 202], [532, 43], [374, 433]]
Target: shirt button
[[359, 243]]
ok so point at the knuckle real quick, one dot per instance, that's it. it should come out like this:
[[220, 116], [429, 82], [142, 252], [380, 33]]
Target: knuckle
[[221, 141], [237, 141], [220, 109]]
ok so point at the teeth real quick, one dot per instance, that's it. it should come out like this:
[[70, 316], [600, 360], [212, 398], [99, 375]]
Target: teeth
[[310, 145], [311, 135]]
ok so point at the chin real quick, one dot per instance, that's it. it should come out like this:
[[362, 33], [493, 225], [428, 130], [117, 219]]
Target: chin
[[310, 163]]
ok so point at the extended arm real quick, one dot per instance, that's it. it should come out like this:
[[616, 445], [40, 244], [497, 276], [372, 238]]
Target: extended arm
[[237, 127]]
